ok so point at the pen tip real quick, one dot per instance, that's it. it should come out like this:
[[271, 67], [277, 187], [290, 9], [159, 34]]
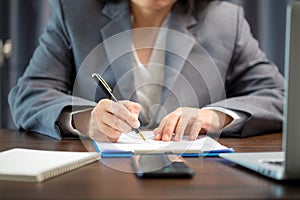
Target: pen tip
[[137, 131], [142, 136]]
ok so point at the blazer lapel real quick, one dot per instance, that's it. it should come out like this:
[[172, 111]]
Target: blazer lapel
[[180, 42], [192, 78], [116, 37]]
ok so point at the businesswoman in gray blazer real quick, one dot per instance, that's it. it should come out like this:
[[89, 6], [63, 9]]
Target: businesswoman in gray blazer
[[184, 67]]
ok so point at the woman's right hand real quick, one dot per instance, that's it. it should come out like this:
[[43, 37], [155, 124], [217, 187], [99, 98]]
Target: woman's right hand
[[108, 120]]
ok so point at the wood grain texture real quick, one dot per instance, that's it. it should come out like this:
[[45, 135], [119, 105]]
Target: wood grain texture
[[215, 178]]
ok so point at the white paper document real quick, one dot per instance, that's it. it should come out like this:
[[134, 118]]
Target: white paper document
[[132, 143]]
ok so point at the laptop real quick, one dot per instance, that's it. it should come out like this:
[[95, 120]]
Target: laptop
[[283, 165]]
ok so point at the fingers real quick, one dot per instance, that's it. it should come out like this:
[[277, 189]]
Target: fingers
[[121, 112], [106, 133], [181, 127], [195, 130], [167, 127], [101, 132], [182, 120], [111, 119], [134, 109], [118, 124], [170, 126], [158, 131]]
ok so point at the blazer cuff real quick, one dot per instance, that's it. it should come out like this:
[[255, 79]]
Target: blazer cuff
[[239, 118], [65, 123], [233, 114]]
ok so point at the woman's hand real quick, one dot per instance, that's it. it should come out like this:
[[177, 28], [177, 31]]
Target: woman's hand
[[192, 121], [108, 120]]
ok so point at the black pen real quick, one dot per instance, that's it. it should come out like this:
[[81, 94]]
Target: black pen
[[108, 92]]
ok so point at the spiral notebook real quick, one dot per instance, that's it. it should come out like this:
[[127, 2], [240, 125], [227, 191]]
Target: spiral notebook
[[38, 165]]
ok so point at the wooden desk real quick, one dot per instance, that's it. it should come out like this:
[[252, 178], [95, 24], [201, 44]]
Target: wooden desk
[[215, 178]]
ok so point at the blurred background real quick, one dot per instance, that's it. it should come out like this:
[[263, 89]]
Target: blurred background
[[22, 22]]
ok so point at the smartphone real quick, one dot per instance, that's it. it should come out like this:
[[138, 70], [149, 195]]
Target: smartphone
[[161, 166]]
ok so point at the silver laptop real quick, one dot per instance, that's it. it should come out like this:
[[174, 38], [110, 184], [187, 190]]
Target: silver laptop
[[286, 164]]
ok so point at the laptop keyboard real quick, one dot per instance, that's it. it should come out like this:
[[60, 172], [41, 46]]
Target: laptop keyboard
[[278, 162]]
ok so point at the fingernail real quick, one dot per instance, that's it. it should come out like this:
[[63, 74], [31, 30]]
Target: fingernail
[[165, 137], [193, 138], [136, 124], [157, 136]]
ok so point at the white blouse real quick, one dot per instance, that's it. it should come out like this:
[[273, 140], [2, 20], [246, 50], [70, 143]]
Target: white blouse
[[149, 79]]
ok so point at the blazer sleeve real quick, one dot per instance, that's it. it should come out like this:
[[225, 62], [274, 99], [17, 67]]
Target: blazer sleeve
[[45, 89], [254, 87]]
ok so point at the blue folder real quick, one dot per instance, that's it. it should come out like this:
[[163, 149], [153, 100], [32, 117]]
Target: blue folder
[[120, 154]]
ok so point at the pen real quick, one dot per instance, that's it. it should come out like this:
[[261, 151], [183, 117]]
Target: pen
[[108, 92]]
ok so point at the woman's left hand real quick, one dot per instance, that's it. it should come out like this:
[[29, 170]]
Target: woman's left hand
[[191, 121]]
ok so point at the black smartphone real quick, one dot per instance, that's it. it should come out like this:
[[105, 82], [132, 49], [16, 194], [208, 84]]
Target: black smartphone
[[161, 166]]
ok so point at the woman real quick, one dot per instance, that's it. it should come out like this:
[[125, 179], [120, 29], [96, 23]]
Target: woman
[[233, 89]]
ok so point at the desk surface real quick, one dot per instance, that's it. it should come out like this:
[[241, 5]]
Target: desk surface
[[215, 178]]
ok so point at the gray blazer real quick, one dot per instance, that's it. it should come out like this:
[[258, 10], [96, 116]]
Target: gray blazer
[[211, 59]]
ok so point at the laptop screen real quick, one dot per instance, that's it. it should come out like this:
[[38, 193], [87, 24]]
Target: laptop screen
[[291, 128]]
